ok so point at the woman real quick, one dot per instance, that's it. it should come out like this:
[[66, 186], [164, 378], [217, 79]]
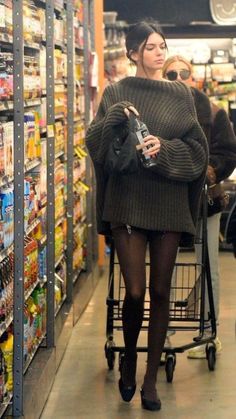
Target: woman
[[222, 161], [156, 206]]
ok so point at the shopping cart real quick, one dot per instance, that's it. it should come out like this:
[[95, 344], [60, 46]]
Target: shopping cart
[[190, 282]]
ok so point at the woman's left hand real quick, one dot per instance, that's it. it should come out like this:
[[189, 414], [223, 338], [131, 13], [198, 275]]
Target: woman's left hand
[[152, 145]]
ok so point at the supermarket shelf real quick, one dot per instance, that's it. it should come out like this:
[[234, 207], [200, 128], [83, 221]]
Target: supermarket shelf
[[5, 180], [78, 223], [6, 38], [59, 154], [6, 252], [29, 291], [4, 325], [59, 260], [59, 186], [32, 226], [32, 45], [43, 202], [59, 116], [60, 305], [59, 81], [43, 241], [5, 404], [59, 221], [8, 104], [32, 102], [79, 49], [32, 164], [58, 43], [76, 275], [31, 357]]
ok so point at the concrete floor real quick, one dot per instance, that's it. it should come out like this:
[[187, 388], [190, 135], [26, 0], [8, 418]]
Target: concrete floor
[[84, 388]]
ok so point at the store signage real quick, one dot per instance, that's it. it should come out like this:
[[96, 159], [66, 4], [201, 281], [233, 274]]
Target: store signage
[[223, 11]]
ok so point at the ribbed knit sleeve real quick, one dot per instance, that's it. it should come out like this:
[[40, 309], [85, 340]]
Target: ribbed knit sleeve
[[100, 133]]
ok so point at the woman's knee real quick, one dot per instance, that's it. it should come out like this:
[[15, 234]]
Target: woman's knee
[[159, 295], [136, 294]]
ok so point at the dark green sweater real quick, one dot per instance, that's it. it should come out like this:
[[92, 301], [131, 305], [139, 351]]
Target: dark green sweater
[[167, 197]]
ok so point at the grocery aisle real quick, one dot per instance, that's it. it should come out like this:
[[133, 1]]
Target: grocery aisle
[[84, 388]]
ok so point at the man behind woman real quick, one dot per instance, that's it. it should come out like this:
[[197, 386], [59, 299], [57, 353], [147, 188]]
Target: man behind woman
[[222, 161]]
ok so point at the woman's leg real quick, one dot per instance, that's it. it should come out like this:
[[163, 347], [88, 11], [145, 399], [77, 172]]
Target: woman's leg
[[131, 251], [163, 250]]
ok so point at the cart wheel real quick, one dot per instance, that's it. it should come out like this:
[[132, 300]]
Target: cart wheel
[[211, 356], [170, 367], [110, 354]]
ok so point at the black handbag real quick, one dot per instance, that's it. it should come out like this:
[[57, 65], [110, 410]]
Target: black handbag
[[122, 156]]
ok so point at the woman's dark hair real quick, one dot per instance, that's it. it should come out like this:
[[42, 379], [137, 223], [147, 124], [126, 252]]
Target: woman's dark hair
[[139, 33]]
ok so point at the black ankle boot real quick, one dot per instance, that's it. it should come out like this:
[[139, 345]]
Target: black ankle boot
[[127, 392], [149, 404]]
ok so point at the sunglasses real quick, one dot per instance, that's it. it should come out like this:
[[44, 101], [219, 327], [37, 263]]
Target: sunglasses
[[173, 74]]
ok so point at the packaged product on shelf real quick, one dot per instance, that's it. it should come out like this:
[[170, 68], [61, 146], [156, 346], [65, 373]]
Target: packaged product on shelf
[[2, 166], [42, 263], [6, 346], [5, 19], [39, 297], [60, 138], [6, 76], [42, 64], [6, 217], [32, 23], [32, 85], [58, 30], [79, 253], [8, 133], [31, 201], [30, 261], [26, 203], [79, 103], [32, 136], [58, 296], [59, 241], [6, 287], [79, 133], [61, 277], [79, 167], [26, 332]]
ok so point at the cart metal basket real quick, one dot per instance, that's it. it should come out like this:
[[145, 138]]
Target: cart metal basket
[[190, 281]]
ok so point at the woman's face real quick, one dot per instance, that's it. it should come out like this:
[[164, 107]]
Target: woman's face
[[178, 70], [151, 57]]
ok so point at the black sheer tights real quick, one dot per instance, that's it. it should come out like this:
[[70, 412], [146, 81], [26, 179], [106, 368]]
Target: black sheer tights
[[131, 251]]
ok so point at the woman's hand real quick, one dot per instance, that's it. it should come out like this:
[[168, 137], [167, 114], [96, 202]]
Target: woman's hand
[[130, 109], [152, 145]]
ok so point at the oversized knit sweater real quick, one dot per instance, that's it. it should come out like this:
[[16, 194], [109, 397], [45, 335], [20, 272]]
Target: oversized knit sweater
[[167, 197]]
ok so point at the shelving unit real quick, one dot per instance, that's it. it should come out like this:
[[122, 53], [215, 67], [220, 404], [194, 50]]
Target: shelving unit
[[42, 128]]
